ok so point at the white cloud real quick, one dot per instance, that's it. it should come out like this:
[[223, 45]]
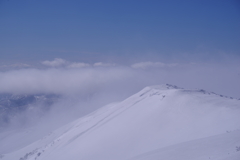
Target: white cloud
[[101, 64], [78, 65], [146, 65], [55, 63], [58, 62]]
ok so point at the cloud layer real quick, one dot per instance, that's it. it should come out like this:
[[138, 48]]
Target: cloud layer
[[78, 77]]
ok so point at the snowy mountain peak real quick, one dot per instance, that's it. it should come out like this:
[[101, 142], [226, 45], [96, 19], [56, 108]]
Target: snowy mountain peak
[[164, 87], [158, 118], [158, 90]]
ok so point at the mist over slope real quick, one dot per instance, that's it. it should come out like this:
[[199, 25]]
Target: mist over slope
[[153, 119], [18, 110]]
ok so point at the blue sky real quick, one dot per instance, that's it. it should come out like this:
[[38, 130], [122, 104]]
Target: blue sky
[[119, 31]]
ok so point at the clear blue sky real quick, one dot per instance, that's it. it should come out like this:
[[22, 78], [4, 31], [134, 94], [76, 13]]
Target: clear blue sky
[[118, 30]]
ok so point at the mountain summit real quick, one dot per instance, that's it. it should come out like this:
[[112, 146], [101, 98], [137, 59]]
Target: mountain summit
[[159, 122]]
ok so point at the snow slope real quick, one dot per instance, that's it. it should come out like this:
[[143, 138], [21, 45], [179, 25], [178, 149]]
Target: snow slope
[[221, 147], [159, 122]]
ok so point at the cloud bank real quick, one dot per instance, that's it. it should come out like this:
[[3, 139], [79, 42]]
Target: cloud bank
[[81, 78], [64, 77]]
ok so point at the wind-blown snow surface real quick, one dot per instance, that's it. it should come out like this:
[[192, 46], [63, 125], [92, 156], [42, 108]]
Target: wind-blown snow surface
[[159, 122]]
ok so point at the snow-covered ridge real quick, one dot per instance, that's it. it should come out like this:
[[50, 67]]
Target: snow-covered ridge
[[164, 87], [153, 119], [172, 87]]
